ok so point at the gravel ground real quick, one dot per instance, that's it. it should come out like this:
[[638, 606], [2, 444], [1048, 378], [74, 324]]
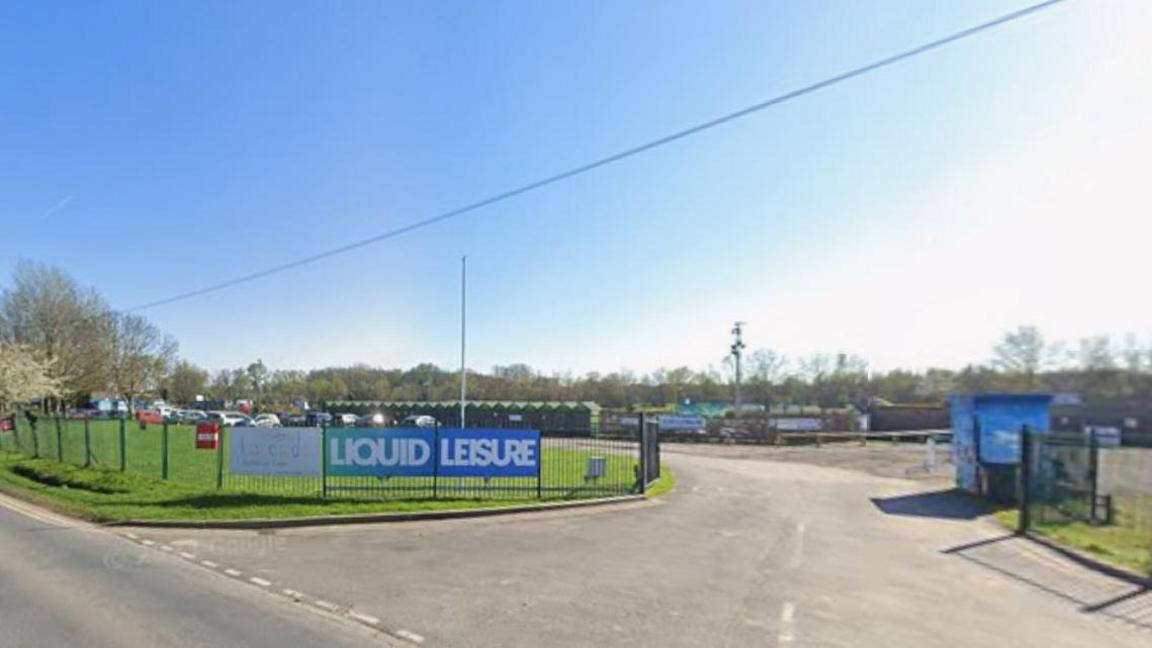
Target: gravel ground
[[879, 458]]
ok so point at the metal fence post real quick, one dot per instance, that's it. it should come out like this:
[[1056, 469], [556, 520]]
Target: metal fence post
[[87, 443], [540, 469], [643, 439], [1025, 476], [123, 450], [164, 451], [35, 441], [1093, 474], [436, 461], [220, 458], [323, 461], [59, 442]]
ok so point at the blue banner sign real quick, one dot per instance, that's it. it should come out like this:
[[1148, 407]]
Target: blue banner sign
[[421, 452], [478, 452]]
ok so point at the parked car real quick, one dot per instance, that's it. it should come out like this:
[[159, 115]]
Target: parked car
[[372, 420], [228, 418], [295, 420], [192, 416], [149, 416], [346, 419], [266, 420], [318, 418], [420, 421]]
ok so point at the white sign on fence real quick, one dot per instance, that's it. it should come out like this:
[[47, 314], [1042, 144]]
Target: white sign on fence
[[274, 451], [679, 422]]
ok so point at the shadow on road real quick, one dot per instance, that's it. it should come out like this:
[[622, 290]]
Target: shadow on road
[[948, 504], [1092, 591]]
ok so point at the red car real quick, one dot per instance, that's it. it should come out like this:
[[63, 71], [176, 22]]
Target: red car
[[150, 416]]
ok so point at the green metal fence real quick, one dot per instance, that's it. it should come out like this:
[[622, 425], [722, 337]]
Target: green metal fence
[[1092, 490], [573, 464]]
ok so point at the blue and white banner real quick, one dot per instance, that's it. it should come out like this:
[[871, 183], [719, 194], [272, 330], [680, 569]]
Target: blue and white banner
[[478, 452], [681, 422], [421, 452]]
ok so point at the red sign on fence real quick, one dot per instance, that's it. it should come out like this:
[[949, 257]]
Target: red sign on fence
[[7, 424], [208, 436]]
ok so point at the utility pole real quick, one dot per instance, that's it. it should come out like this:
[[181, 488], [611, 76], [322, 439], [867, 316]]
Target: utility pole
[[737, 349], [463, 338]]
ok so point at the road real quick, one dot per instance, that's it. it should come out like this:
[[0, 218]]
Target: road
[[753, 549], [68, 584]]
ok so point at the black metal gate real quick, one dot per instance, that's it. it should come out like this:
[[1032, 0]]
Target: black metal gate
[[649, 450]]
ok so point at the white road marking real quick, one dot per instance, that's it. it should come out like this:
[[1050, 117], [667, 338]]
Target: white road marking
[[166, 547], [364, 618], [292, 594], [147, 543], [331, 607], [787, 624], [410, 636], [209, 564], [260, 581], [798, 548], [185, 554], [131, 536], [233, 572]]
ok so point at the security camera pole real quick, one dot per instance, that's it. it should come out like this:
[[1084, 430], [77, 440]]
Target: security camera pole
[[737, 348]]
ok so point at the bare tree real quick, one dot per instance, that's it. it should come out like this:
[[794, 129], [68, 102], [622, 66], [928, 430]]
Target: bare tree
[[1096, 353], [141, 355], [1021, 352]]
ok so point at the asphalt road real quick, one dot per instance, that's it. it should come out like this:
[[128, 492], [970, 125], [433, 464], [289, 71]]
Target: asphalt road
[[66, 584], [749, 551]]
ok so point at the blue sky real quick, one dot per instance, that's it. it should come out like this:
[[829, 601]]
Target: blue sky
[[910, 216]]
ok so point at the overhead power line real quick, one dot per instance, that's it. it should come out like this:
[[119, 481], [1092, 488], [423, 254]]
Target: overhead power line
[[615, 157]]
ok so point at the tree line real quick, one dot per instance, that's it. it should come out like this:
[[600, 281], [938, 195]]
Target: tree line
[[60, 343]]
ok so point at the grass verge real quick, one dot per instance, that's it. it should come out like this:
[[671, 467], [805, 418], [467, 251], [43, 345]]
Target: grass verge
[[663, 485], [104, 495], [1120, 545]]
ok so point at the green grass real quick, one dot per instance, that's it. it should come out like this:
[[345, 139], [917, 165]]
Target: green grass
[[1121, 544], [102, 492], [664, 485]]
